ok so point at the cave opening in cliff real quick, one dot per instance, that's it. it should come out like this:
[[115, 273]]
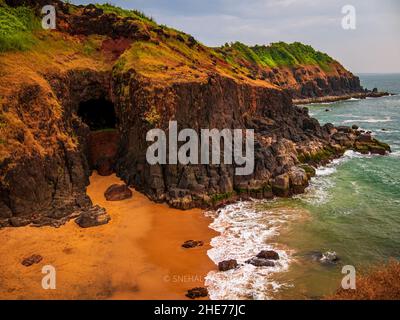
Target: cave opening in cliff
[[104, 138], [98, 114]]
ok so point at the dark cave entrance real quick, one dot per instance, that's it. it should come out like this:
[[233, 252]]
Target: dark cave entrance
[[98, 114], [103, 139]]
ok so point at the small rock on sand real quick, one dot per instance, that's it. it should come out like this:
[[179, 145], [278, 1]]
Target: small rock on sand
[[33, 259], [192, 244], [197, 293]]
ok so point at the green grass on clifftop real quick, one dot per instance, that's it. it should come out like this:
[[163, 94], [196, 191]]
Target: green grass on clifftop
[[278, 54], [109, 8], [16, 26]]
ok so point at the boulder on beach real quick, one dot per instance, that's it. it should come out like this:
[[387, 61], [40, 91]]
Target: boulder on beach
[[192, 244], [268, 254], [259, 262], [93, 217], [118, 192], [33, 259], [198, 292], [227, 265]]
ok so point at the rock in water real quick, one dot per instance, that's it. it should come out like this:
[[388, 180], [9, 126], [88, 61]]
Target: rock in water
[[259, 262], [118, 192], [268, 254], [93, 217], [329, 257], [33, 259], [365, 138], [197, 293], [192, 244], [227, 265]]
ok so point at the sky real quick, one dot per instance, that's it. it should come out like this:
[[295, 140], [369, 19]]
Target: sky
[[373, 47]]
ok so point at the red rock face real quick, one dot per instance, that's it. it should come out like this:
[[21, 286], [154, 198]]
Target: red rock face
[[102, 149]]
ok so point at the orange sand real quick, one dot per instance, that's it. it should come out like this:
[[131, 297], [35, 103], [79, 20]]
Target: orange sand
[[138, 255]]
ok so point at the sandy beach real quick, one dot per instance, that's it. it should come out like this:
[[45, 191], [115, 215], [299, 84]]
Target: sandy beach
[[137, 255]]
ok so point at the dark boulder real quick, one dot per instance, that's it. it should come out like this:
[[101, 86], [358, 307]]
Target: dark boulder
[[259, 262], [118, 192], [268, 254], [192, 244], [227, 265], [344, 129], [93, 217], [364, 138], [33, 259], [198, 292]]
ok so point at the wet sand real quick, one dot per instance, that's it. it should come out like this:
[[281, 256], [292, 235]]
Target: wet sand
[[138, 255]]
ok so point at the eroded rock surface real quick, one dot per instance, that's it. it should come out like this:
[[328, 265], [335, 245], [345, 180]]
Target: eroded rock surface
[[93, 217], [118, 192]]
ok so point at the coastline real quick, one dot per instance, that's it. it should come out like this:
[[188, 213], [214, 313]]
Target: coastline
[[329, 99], [137, 255]]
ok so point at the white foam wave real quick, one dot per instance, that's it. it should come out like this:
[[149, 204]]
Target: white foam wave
[[395, 154], [370, 120], [318, 191], [244, 232]]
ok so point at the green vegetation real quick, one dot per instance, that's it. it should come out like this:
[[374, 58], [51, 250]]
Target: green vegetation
[[321, 155], [278, 54], [110, 8], [215, 198], [16, 26]]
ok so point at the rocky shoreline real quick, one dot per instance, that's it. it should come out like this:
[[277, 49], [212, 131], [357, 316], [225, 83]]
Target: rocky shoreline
[[329, 99]]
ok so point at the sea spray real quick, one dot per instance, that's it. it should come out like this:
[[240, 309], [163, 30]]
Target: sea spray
[[245, 229]]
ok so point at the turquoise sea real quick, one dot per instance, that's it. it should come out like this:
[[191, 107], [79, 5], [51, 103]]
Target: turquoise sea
[[352, 209]]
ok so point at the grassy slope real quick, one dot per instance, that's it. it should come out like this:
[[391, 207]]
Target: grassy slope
[[16, 27]]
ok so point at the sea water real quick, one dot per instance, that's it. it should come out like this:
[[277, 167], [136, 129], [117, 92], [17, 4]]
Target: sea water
[[351, 208]]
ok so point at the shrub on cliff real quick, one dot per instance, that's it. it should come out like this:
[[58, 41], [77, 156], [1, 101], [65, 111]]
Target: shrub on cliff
[[16, 26]]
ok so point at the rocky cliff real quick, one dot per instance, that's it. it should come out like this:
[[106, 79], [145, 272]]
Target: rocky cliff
[[298, 68], [122, 64]]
